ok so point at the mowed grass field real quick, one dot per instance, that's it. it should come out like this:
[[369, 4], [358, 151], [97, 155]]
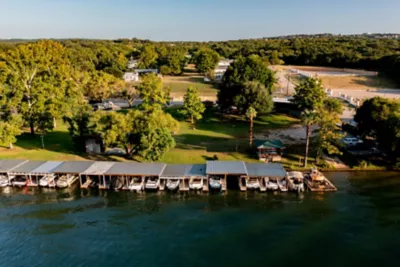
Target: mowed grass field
[[221, 136], [179, 85]]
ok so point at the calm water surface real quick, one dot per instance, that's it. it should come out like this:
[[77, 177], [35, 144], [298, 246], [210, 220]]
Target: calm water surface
[[357, 226]]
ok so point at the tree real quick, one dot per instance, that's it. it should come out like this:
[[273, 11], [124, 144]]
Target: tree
[[274, 58], [309, 94], [102, 86], [9, 128], [148, 57], [172, 61], [155, 143], [254, 94], [243, 70], [328, 117], [39, 75], [45, 123], [251, 113], [206, 60], [152, 92], [192, 105], [79, 125], [129, 93], [308, 118]]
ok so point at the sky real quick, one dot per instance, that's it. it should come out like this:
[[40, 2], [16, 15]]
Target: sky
[[193, 20]]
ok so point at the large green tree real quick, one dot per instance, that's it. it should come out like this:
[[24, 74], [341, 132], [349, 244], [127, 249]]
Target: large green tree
[[192, 105], [244, 69], [148, 57], [254, 94], [39, 75], [309, 94], [206, 60], [155, 143], [152, 92]]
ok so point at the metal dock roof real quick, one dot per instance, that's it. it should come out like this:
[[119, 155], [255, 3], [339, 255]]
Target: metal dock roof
[[99, 168], [146, 169], [9, 164], [28, 166], [226, 167], [47, 167], [75, 167], [184, 170], [265, 169]]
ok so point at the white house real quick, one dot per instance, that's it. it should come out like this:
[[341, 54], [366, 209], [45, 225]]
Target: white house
[[131, 77], [225, 63]]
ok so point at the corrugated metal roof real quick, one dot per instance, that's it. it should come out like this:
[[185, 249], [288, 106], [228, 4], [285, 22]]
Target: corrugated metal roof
[[8, 165], [264, 169], [47, 167], [146, 169], [184, 170], [196, 170], [226, 167], [75, 167], [99, 167], [28, 166]]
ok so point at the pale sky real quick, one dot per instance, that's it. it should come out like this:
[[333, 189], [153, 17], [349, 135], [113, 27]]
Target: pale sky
[[200, 20]]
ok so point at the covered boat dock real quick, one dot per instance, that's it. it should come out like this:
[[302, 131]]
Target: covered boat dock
[[227, 171], [23, 173], [72, 170], [184, 173], [6, 166], [44, 171], [261, 172], [94, 175]]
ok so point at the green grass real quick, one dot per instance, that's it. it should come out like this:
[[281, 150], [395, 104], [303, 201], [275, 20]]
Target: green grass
[[223, 136], [179, 89]]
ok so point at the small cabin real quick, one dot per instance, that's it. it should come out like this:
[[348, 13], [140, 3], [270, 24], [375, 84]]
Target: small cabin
[[270, 150]]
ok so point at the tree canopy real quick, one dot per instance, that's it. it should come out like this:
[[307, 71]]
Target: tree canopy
[[309, 94], [152, 92], [206, 60], [255, 95], [192, 105]]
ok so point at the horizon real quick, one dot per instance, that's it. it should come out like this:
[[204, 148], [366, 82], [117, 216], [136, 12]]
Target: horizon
[[178, 20]]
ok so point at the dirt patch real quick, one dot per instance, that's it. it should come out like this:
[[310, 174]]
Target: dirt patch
[[289, 136]]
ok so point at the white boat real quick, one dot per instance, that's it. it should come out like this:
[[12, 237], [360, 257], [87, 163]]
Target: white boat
[[152, 183], [20, 181], [136, 184], [4, 181], [196, 184], [172, 184], [283, 185], [117, 184], [215, 183], [317, 182], [295, 181], [272, 184], [45, 181], [66, 181], [253, 184]]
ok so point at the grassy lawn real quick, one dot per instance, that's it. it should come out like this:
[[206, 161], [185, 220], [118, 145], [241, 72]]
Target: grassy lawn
[[179, 85], [221, 136]]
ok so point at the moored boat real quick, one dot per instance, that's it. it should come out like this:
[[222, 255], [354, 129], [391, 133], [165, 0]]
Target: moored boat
[[45, 181], [20, 181], [215, 183], [172, 184], [4, 182], [295, 181], [272, 184], [253, 184], [317, 182], [66, 181], [283, 185], [152, 183], [196, 184], [136, 184], [117, 184]]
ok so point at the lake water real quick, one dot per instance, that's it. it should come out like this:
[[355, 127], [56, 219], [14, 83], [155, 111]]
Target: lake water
[[357, 226]]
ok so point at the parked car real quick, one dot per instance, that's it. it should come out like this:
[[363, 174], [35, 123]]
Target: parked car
[[352, 141]]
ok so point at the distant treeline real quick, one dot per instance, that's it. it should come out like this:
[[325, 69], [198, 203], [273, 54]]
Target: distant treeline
[[377, 52]]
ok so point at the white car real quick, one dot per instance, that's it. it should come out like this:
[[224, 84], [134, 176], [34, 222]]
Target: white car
[[352, 141]]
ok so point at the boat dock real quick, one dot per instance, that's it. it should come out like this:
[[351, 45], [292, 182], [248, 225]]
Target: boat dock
[[107, 175]]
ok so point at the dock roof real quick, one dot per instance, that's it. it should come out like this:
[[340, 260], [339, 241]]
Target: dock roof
[[28, 166], [184, 170], [75, 167], [8, 165], [127, 168], [99, 168], [226, 167], [265, 169], [47, 167]]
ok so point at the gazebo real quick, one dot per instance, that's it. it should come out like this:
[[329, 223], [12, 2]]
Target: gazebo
[[270, 150]]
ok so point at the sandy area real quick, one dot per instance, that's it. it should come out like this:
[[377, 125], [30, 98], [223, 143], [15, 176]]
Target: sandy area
[[289, 136]]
